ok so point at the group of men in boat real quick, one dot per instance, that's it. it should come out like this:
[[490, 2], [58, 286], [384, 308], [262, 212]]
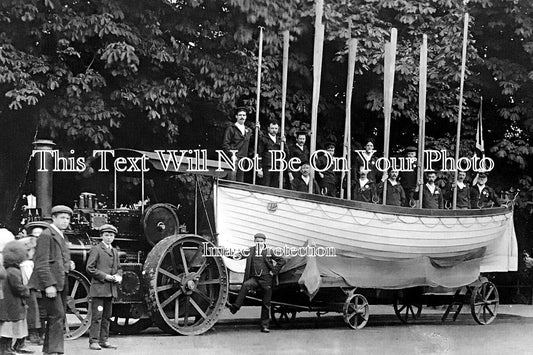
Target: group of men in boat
[[367, 183]]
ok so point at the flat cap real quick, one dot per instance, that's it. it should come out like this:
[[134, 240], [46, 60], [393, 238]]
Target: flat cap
[[108, 228], [260, 235], [61, 209]]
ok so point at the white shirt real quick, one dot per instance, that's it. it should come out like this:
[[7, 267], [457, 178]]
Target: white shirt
[[108, 246], [305, 179], [460, 185], [431, 188], [393, 183], [57, 230], [363, 182], [300, 146], [480, 188], [240, 127], [272, 137]]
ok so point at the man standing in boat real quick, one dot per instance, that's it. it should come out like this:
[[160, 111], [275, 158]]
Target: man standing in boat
[[463, 192], [261, 267], [431, 193], [395, 192], [367, 160], [364, 189], [408, 178], [268, 144], [301, 181], [300, 151], [237, 137], [482, 195], [327, 178]]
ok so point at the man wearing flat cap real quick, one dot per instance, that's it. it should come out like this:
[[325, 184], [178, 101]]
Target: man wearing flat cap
[[482, 195], [259, 273], [104, 267], [52, 264]]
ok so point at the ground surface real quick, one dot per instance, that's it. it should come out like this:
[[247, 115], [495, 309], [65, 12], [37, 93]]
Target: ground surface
[[511, 333]]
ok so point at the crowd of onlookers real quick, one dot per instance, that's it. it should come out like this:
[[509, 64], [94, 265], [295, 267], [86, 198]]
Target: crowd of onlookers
[[367, 182]]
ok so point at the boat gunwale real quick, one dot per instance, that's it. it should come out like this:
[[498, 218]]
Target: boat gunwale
[[366, 206]]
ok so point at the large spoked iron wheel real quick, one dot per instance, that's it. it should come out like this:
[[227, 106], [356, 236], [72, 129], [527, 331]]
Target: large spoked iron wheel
[[187, 291], [282, 315], [407, 308], [484, 303], [78, 315], [356, 311]]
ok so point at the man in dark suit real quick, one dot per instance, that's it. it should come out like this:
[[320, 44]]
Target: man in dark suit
[[104, 267], [259, 273], [268, 143], [301, 181], [237, 137], [327, 179], [300, 151], [431, 194], [52, 264], [482, 195]]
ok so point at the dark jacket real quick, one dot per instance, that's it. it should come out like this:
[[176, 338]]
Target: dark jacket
[[364, 193], [265, 146], [395, 194], [329, 174], [374, 174], [52, 261], [431, 200], [298, 184], [12, 306], [296, 152], [235, 140], [487, 197], [463, 196], [103, 261], [262, 266]]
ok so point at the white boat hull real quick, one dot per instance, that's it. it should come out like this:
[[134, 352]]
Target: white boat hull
[[359, 230]]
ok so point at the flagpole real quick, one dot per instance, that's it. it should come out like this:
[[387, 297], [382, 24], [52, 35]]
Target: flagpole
[[352, 51], [284, 76], [388, 85], [317, 70], [460, 114], [422, 88], [258, 97]]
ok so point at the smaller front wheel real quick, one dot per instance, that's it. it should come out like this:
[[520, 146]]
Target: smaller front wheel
[[406, 308], [484, 303], [356, 311]]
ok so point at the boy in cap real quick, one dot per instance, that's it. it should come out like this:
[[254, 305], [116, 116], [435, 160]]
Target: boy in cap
[[52, 264], [259, 273], [104, 267]]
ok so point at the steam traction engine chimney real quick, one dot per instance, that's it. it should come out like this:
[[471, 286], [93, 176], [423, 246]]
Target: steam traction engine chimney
[[44, 179]]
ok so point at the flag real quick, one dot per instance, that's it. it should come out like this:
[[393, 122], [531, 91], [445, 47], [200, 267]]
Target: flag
[[480, 144]]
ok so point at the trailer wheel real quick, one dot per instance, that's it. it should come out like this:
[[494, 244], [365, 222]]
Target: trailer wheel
[[484, 303], [186, 290], [78, 310], [406, 307], [282, 315], [356, 311]]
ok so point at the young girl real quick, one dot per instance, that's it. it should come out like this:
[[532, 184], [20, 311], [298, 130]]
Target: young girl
[[13, 305]]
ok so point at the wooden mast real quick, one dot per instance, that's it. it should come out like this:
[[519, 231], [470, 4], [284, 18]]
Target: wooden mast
[[284, 92], [258, 97], [460, 114], [388, 86], [317, 70], [352, 51], [422, 89]]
